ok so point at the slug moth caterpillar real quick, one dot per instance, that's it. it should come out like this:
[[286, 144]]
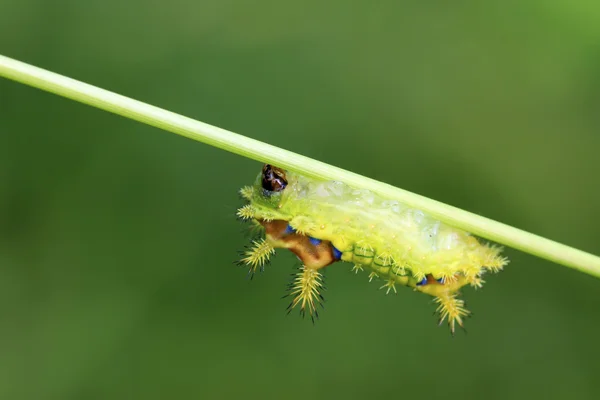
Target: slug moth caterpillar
[[327, 221]]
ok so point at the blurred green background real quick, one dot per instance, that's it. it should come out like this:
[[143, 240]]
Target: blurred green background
[[117, 239]]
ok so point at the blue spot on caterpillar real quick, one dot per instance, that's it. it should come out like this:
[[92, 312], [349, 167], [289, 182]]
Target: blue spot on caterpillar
[[336, 253], [314, 241], [323, 222]]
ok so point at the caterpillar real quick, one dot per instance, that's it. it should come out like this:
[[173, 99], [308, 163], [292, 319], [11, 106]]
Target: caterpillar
[[323, 222]]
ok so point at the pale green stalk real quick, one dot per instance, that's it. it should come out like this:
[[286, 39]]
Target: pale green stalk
[[136, 110]]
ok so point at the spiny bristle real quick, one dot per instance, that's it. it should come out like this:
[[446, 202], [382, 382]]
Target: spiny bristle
[[303, 225], [306, 288], [398, 270], [418, 275], [390, 284], [451, 308], [472, 271], [497, 264], [356, 268], [385, 258], [245, 212], [365, 247], [246, 192], [257, 255], [373, 275], [476, 282], [449, 277], [492, 259]]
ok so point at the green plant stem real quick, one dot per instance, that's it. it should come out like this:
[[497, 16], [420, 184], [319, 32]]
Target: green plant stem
[[223, 139]]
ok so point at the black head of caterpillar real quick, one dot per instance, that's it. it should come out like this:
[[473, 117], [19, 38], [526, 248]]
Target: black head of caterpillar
[[273, 179], [323, 222]]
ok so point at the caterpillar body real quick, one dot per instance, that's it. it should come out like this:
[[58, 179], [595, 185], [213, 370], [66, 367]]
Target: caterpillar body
[[327, 221]]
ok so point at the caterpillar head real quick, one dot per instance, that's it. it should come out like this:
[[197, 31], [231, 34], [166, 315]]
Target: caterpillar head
[[268, 192], [273, 179]]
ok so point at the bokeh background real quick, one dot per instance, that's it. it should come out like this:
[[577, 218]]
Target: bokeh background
[[117, 239]]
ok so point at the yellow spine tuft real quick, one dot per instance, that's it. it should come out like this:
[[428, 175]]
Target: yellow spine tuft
[[303, 225], [306, 289], [451, 308], [246, 192], [246, 212], [258, 255], [491, 258]]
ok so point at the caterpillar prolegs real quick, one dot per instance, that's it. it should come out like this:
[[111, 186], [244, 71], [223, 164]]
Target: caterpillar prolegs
[[323, 222]]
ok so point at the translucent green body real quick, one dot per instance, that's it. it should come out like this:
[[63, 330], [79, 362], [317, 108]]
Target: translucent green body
[[400, 245], [392, 239]]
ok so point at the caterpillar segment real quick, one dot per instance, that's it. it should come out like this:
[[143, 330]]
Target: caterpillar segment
[[325, 222]]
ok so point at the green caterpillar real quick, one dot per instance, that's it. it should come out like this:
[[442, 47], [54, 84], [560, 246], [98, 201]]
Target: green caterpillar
[[327, 221]]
